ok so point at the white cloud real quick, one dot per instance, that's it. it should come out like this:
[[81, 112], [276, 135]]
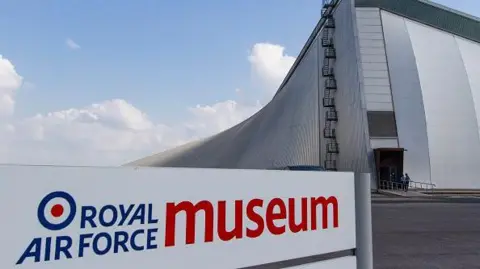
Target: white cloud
[[71, 44], [270, 64], [211, 119], [113, 132], [10, 81]]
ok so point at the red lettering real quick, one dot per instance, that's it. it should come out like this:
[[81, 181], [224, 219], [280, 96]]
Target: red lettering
[[276, 210], [303, 226], [271, 216], [255, 217], [190, 210], [237, 231], [324, 202]]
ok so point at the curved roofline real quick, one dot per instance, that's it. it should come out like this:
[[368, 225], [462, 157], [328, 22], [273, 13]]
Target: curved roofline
[[423, 11], [458, 12], [432, 14], [304, 50]]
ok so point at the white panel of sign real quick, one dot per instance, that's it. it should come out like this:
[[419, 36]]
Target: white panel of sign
[[80, 217], [339, 263]]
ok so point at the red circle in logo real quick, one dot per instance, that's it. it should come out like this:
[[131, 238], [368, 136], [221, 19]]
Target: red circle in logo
[[57, 210]]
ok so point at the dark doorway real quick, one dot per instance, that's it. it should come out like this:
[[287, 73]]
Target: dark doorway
[[389, 165]]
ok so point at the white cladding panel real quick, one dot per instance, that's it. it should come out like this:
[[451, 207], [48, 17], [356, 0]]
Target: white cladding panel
[[452, 128], [434, 78], [154, 188], [384, 143], [407, 97], [374, 60], [471, 58]]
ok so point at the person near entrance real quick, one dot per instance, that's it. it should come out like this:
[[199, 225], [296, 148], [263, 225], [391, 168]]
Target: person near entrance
[[405, 182]]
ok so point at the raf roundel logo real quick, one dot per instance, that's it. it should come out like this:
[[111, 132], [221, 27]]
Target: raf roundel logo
[[56, 210]]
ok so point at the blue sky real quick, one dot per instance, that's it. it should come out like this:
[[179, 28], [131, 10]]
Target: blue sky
[[161, 56], [157, 58]]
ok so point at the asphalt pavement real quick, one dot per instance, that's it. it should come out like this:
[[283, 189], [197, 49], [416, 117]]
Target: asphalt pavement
[[426, 235]]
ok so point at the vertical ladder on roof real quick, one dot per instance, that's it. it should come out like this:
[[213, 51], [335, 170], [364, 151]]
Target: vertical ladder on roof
[[330, 87]]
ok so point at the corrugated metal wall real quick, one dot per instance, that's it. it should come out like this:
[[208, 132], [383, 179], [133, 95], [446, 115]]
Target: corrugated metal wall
[[374, 61], [285, 132], [288, 131], [352, 135]]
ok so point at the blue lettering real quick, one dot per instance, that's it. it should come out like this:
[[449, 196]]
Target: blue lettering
[[138, 215], [63, 249], [33, 250], [96, 248], [151, 220], [132, 240], [82, 244], [121, 239], [48, 246], [60, 247], [151, 238], [92, 211], [101, 216], [124, 214]]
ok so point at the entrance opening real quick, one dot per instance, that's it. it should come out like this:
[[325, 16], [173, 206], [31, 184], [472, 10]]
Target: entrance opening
[[389, 165]]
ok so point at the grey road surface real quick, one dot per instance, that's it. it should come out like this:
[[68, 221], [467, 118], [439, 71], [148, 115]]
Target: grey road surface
[[426, 235]]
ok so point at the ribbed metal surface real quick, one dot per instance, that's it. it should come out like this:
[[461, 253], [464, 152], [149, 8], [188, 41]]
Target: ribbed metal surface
[[313, 36], [436, 100], [431, 14], [285, 132], [377, 91], [351, 136], [289, 130]]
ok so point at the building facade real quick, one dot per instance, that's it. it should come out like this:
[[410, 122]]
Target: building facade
[[373, 74]]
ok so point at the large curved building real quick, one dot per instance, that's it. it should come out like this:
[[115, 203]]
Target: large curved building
[[381, 86]]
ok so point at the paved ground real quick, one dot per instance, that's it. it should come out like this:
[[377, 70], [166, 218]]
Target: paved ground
[[426, 235]]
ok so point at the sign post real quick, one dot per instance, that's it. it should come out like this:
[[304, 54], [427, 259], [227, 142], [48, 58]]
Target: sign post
[[363, 209]]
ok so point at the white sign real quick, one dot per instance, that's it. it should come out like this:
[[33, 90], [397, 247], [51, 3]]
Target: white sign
[[79, 217]]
